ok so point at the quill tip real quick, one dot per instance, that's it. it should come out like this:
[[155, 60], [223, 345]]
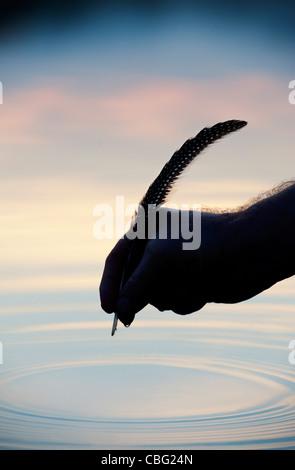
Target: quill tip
[[115, 324]]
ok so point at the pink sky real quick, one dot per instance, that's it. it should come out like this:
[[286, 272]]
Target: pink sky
[[155, 109], [49, 217]]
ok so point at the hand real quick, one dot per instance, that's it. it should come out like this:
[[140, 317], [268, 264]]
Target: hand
[[168, 277], [241, 254]]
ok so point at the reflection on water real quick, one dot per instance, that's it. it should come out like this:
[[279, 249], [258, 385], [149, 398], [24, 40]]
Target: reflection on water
[[219, 378]]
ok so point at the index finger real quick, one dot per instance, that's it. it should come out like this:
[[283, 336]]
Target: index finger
[[111, 278]]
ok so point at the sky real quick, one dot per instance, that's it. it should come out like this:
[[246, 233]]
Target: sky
[[97, 98]]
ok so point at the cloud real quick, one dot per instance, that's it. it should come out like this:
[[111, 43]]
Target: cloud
[[157, 109], [63, 129]]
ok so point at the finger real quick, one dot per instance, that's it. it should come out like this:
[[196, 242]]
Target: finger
[[136, 292], [111, 278], [183, 309]]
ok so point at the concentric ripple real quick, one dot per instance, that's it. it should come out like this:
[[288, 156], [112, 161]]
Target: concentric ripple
[[168, 402], [178, 385]]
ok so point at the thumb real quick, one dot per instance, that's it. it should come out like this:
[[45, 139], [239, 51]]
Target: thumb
[[136, 292]]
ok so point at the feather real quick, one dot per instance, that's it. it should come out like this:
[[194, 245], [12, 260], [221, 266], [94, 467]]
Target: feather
[[159, 190]]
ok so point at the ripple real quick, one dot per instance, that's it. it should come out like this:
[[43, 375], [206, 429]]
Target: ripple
[[220, 379], [158, 401]]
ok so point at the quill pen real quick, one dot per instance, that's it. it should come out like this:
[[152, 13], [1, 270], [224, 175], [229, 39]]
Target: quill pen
[[158, 191]]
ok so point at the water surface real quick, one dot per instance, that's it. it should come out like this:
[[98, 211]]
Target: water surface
[[220, 378]]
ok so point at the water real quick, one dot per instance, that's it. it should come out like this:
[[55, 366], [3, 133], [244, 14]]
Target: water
[[220, 378], [95, 113]]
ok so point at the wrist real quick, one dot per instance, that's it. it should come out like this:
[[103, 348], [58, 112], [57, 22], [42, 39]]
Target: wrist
[[263, 243]]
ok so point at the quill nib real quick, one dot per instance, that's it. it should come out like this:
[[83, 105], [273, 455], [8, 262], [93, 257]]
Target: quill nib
[[115, 324]]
